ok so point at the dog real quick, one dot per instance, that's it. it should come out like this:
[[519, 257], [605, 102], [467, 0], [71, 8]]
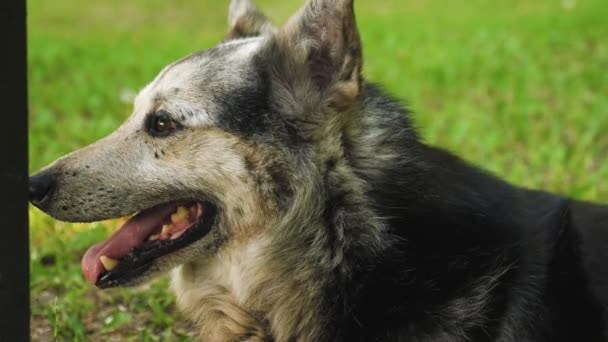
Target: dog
[[292, 200]]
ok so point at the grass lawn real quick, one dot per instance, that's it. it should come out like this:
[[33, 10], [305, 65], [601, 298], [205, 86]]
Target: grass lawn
[[518, 87]]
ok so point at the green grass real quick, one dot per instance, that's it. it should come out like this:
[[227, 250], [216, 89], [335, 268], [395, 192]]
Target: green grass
[[518, 87]]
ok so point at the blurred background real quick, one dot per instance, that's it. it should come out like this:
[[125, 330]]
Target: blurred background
[[517, 87]]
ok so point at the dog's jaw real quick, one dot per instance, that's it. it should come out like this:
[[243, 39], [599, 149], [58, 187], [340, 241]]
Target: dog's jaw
[[145, 241]]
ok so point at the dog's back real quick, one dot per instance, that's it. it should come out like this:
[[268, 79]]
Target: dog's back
[[590, 222], [475, 258]]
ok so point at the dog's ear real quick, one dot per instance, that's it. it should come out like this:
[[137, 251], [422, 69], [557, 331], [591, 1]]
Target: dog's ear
[[316, 57], [245, 20]]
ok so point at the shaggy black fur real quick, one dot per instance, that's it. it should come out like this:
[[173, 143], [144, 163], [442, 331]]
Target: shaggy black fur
[[477, 259]]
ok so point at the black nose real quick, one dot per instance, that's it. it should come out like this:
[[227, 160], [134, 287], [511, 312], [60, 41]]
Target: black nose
[[41, 186]]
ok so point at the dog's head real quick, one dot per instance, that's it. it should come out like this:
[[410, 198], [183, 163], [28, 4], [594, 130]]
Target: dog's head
[[220, 146]]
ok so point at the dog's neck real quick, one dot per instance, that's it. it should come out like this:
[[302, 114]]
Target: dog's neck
[[292, 280], [330, 231]]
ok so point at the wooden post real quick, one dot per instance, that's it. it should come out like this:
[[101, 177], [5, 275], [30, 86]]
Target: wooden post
[[14, 248]]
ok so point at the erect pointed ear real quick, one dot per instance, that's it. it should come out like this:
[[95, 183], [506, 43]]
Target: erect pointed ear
[[316, 56], [245, 20]]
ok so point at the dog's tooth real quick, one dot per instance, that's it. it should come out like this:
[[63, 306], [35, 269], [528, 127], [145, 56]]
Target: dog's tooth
[[178, 234], [108, 263], [153, 237], [180, 214], [166, 230]]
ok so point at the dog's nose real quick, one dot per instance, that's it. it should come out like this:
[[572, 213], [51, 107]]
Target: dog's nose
[[41, 186]]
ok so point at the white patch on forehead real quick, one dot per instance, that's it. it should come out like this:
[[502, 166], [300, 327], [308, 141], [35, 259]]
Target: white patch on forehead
[[167, 85], [179, 74], [242, 41], [247, 47], [143, 95]]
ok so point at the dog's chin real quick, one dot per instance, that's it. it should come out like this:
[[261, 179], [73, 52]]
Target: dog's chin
[[146, 245]]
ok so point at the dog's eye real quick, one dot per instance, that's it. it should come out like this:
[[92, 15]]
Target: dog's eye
[[160, 124]]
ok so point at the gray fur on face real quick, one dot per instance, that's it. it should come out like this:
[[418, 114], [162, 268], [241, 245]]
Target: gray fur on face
[[140, 170], [264, 125]]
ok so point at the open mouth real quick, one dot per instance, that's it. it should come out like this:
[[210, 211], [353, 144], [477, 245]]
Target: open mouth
[[145, 237]]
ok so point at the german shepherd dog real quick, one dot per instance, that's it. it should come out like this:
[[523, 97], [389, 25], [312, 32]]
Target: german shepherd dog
[[294, 201]]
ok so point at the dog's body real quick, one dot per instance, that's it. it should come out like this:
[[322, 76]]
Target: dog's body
[[321, 216]]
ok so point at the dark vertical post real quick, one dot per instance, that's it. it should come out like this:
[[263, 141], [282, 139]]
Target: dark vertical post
[[14, 251]]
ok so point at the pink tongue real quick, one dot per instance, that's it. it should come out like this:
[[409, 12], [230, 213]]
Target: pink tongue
[[132, 234]]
